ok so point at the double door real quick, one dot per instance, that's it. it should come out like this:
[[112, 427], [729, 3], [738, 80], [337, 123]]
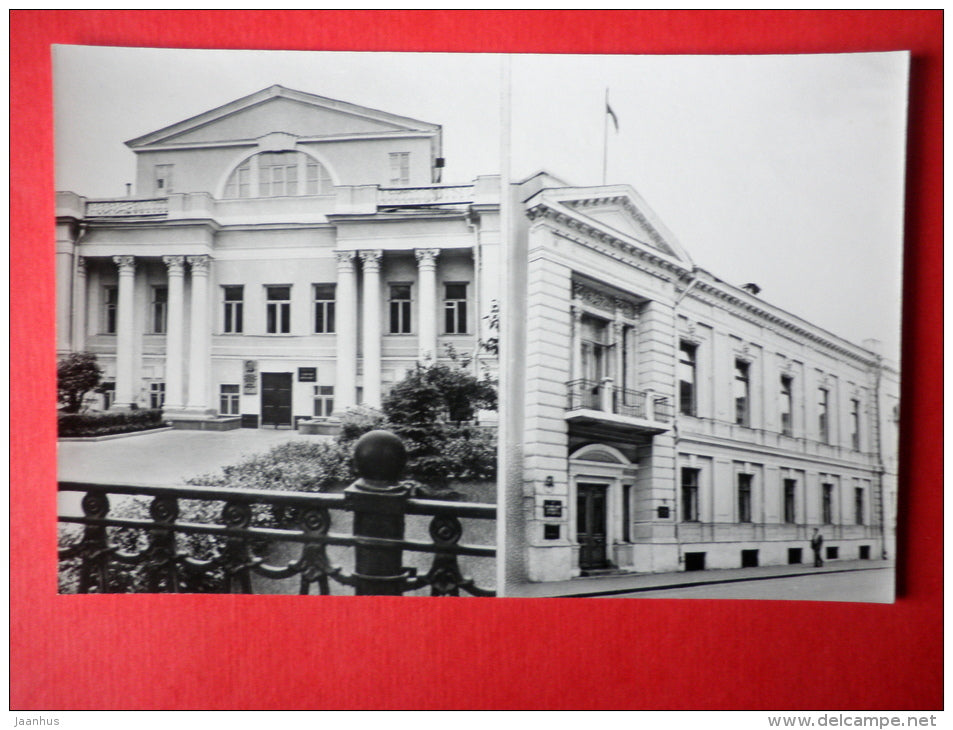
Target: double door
[[276, 399], [591, 525]]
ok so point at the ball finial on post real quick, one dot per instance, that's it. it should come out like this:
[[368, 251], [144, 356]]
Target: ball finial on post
[[379, 458]]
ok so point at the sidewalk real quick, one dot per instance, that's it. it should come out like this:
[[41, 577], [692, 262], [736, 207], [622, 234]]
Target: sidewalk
[[608, 585]]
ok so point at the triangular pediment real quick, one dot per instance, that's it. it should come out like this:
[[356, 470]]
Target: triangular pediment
[[615, 212], [277, 109]]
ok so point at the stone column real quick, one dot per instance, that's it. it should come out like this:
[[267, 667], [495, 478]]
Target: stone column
[[125, 331], [575, 372], [371, 327], [64, 294], [175, 329], [345, 391], [427, 304], [198, 336], [79, 306]]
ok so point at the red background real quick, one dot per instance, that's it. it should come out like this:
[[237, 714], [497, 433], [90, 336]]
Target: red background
[[275, 652]]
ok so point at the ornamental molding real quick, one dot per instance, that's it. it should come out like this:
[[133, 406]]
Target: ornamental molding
[[126, 264], [371, 259], [594, 237], [620, 257], [345, 259], [81, 266], [593, 298], [623, 200], [426, 256], [126, 208], [175, 265], [199, 264]]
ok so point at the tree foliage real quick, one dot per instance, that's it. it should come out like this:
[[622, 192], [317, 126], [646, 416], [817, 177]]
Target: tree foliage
[[76, 375]]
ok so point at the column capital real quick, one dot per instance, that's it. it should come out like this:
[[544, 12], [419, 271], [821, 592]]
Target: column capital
[[175, 264], [371, 259], [426, 256], [576, 312], [81, 266], [199, 264], [345, 260], [126, 264]]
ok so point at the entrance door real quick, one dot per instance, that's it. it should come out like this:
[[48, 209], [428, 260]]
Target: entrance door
[[591, 525], [276, 399]]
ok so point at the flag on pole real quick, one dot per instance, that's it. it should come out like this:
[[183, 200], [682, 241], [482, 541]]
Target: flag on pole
[[615, 119]]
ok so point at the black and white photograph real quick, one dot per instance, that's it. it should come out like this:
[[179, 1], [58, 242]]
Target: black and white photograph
[[477, 325]]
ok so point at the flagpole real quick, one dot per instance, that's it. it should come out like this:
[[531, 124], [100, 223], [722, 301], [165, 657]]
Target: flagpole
[[605, 137]]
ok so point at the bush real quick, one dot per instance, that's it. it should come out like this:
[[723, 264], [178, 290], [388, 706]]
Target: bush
[[105, 424], [295, 466], [76, 375], [357, 421]]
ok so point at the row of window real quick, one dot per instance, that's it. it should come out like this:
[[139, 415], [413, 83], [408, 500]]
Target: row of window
[[281, 174], [741, 394], [229, 398], [689, 489], [278, 309]]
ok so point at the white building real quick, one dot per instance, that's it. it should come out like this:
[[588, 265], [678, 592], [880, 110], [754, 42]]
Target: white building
[[282, 257], [677, 422], [286, 256]]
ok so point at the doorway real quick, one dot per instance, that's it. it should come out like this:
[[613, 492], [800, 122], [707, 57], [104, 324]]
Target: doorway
[[591, 525], [276, 399]]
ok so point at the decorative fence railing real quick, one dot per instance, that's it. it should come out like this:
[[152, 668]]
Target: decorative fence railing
[[160, 553], [435, 195], [604, 396], [126, 208]]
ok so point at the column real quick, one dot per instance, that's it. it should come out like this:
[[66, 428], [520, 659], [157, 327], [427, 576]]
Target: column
[[371, 327], [64, 294], [79, 306], [345, 391], [175, 329], [575, 372], [125, 329], [427, 304], [199, 335]]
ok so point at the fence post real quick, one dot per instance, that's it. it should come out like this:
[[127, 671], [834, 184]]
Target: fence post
[[378, 504]]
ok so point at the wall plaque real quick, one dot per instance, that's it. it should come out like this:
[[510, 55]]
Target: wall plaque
[[552, 508], [307, 375], [250, 377]]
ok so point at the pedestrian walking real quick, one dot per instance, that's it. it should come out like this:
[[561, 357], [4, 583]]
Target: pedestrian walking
[[817, 542]]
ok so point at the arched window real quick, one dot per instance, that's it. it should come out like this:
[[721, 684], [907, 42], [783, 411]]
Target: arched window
[[275, 174]]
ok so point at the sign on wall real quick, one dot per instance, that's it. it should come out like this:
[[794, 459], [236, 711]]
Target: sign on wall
[[250, 377], [307, 375]]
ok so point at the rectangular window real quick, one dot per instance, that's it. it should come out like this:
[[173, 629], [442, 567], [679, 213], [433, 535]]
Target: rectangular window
[[455, 309], [744, 497], [855, 424], [858, 505], [158, 309], [742, 394], [162, 180], [790, 490], [228, 399], [323, 400], [110, 305], [318, 181], [324, 308], [400, 309], [233, 305], [399, 168], [277, 174], [686, 378], [156, 395], [278, 310], [787, 405], [827, 503], [689, 494], [823, 425]]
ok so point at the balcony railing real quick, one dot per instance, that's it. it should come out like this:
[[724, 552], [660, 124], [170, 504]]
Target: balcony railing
[[127, 208], [604, 396], [247, 529], [436, 195]]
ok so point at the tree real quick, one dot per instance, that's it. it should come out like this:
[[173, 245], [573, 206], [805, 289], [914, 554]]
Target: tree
[[76, 375]]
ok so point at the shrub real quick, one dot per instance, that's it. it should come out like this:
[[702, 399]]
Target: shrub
[[357, 421], [104, 424], [76, 374]]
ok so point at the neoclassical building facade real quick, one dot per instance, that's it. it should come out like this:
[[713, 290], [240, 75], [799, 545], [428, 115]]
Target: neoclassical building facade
[[676, 422], [286, 256], [283, 257]]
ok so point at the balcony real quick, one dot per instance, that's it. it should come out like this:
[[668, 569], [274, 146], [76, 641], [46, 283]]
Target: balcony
[[431, 195], [604, 405], [126, 208]]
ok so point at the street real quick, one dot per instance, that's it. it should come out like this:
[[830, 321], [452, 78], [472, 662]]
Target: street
[[866, 586]]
